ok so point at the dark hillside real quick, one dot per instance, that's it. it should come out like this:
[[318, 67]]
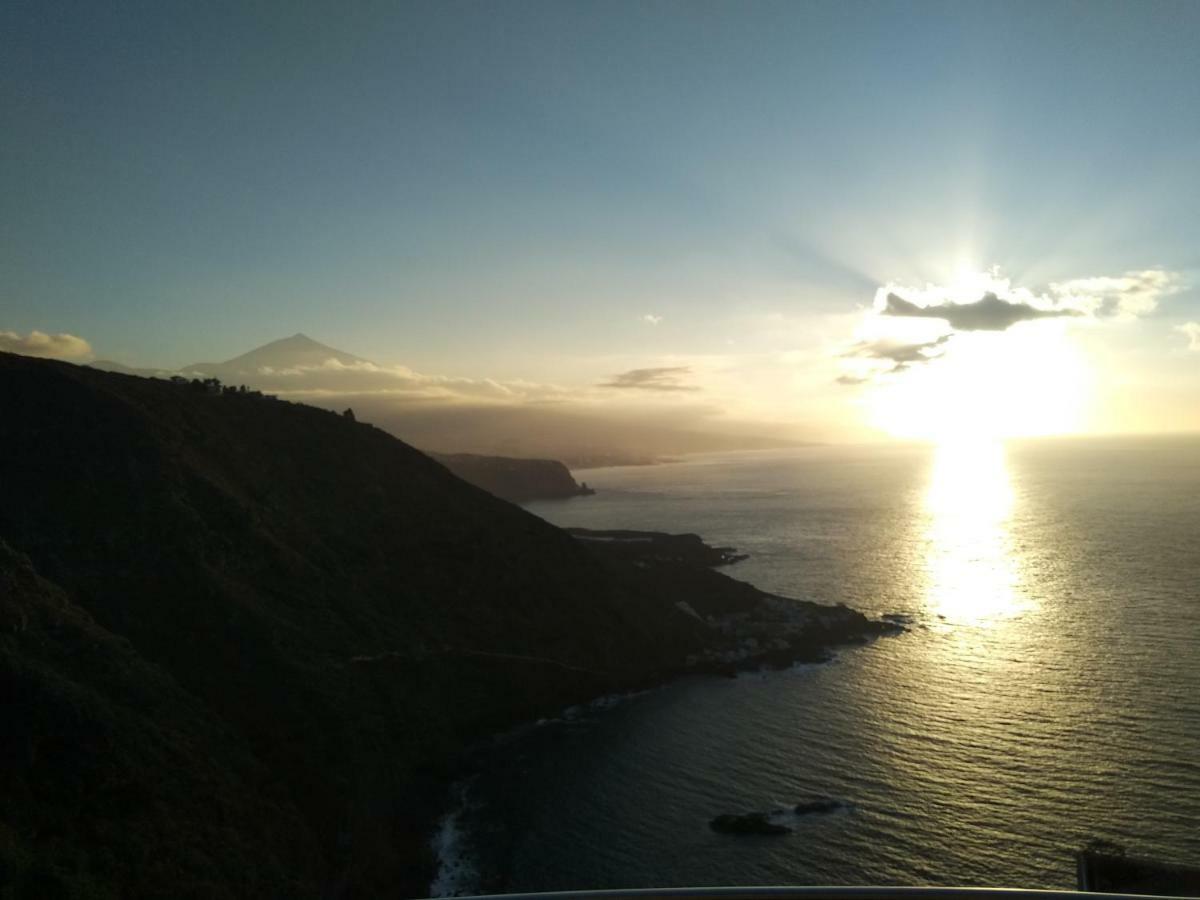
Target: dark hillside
[[352, 610], [243, 637], [115, 781]]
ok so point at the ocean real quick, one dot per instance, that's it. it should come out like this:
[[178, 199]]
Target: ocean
[[1046, 691]]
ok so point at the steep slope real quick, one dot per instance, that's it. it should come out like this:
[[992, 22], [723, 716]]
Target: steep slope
[[350, 609], [241, 640], [115, 781]]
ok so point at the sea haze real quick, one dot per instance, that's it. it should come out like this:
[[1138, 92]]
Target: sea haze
[[1047, 690]]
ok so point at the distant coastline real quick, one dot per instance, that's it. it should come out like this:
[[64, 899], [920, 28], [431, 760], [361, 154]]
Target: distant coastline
[[515, 479]]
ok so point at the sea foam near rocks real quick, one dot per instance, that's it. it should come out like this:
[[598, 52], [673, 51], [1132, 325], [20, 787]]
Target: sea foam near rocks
[[457, 871]]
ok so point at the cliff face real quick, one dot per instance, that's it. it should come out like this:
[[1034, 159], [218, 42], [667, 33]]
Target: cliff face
[[513, 479], [240, 638], [335, 606]]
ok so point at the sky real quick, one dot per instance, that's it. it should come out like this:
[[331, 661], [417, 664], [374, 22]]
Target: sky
[[701, 209]]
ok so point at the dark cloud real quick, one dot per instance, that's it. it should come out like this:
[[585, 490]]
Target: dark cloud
[[902, 355], [665, 378], [987, 314]]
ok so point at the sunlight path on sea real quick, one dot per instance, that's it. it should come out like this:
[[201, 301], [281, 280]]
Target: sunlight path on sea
[[972, 573], [1043, 694]]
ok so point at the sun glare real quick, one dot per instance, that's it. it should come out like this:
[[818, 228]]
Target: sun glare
[[971, 570], [1030, 380]]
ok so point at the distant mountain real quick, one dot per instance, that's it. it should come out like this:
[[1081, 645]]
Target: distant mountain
[[290, 353], [293, 352], [407, 405], [242, 641], [510, 478]]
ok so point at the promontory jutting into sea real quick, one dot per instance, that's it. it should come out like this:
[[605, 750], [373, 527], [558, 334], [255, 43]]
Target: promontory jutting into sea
[[1041, 697]]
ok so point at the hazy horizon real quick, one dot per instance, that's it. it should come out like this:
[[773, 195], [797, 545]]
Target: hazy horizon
[[780, 222], [586, 438]]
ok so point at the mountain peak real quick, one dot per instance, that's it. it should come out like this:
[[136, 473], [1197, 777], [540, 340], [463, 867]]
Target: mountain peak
[[298, 341], [296, 351]]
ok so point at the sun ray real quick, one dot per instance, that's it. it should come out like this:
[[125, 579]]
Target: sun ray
[[1031, 379]]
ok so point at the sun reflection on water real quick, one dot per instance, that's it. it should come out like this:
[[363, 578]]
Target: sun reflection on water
[[972, 573]]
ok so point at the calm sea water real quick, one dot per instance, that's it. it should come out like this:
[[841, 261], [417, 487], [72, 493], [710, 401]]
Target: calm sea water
[[1046, 693]]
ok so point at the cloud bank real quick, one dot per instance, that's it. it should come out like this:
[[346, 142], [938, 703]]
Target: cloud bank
[[46, 346], [362, 378]]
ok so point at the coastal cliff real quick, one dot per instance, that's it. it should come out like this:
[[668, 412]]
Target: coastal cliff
[[510, 478], [242, 641]]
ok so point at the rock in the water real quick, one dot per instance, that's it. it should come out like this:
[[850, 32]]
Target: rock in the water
[[750, 823]]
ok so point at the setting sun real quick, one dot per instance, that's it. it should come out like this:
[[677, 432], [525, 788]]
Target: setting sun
[[1028, 382]]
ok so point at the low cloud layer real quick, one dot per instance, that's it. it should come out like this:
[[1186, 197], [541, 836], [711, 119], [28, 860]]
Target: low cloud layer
[[362, 378], [657, 415], [987, 314], [46, 346], [664, 378]]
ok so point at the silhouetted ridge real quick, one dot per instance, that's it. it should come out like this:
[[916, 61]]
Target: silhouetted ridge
[[268, 628]]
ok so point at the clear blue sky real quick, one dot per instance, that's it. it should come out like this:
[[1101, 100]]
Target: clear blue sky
[[456, 185]]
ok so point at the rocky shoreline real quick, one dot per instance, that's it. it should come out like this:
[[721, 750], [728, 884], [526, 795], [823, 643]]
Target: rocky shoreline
[[743, 628]]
